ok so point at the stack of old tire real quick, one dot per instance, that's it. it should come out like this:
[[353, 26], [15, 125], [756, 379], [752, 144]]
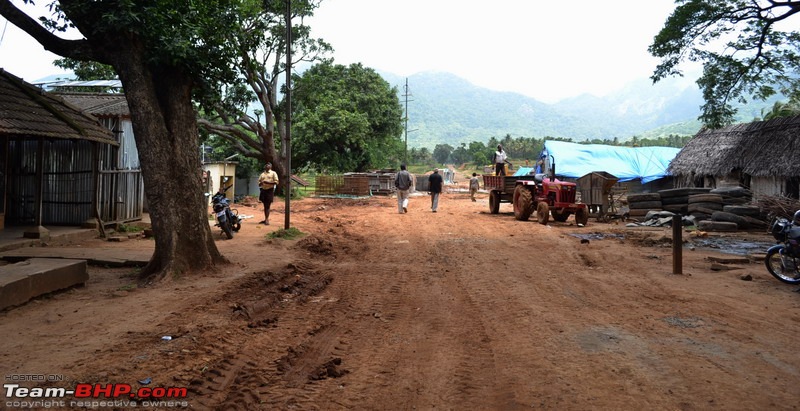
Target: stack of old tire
[[736, 209], [642, 203], [676, 200]]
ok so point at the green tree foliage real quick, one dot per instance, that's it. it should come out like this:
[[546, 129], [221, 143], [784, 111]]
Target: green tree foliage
[[165, 53], [742, 46], [783, 109], [87, 70], [421, 156], [261, 67], [522, 148], [441, 153], [346, 118]]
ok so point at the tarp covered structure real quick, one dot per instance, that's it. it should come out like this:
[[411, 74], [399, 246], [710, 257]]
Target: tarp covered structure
[[626, 163]]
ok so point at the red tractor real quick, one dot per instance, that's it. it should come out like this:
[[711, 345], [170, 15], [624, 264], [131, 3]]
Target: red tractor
[[541, 193]]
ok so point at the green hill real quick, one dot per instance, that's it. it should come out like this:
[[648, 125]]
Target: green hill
[[446, 109]]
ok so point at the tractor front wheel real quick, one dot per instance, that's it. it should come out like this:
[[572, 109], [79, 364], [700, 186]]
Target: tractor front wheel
[[543, 213], [523, 203], [582, 216]]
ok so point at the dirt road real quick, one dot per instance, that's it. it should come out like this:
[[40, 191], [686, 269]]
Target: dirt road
[[458, 309]]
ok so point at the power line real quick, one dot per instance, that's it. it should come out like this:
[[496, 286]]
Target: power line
[[406, 95]]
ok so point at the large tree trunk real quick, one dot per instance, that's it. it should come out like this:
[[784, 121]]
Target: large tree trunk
[[164, 123]]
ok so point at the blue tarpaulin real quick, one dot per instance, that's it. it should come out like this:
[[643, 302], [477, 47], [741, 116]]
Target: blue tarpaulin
[[626, 163]]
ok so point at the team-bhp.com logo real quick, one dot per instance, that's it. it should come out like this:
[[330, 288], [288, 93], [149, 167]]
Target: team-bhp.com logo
[[88, 395]]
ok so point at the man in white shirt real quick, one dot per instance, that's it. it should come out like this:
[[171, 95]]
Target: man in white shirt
[[500, 161]]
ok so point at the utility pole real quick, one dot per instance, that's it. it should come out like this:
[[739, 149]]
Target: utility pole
[[406, 94], [287, 143]]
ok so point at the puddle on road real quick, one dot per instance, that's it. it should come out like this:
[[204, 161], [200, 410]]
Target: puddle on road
[[732, 245], [725, 245], [599, 236]]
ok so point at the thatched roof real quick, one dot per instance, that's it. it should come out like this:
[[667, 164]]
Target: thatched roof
[[761, 149], [27, 111]]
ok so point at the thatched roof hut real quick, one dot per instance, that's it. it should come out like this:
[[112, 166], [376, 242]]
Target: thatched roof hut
[[763, 149]]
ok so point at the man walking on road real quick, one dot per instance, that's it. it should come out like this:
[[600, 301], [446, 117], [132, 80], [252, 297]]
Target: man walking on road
[[267, 182], [474, 185], [402, 182], [435, 181]]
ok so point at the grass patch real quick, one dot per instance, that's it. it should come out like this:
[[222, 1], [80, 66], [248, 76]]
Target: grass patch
[[287, 234], [128, 287], [127, 228]]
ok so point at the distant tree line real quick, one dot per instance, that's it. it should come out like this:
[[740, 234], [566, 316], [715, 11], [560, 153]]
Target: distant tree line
[[521, 148]]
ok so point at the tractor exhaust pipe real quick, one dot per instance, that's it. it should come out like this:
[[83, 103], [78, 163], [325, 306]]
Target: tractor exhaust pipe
[[552, 168]]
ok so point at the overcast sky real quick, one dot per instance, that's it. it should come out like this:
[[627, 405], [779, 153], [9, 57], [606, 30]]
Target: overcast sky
[[548, 50]]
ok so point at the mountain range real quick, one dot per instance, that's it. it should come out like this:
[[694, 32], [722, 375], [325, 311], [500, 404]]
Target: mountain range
[[446, 109]]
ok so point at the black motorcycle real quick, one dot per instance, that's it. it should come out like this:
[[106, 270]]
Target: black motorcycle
[[227, 219], [783, 259]]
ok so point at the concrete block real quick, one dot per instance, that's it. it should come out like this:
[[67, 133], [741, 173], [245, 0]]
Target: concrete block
[[20, 282]]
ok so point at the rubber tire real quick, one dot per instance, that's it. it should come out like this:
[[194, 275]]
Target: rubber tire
[[732, 192], [705, 198], [742, 210], [683, 191], [523, 203], [675, 200], [582, 216], [676, 208], [704, 206], [542, 213], [494, 202], [736, 200], [645, 205], [639, 197], [226, 228], [775, 267], [731, 218], [560, 216]]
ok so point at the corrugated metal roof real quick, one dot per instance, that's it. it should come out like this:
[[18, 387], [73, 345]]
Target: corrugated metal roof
[[98, 104], [26, 110], [87, 83]]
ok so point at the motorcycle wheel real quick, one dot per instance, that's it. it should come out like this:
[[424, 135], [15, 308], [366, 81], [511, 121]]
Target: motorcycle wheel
[[226, 227], [775, 266]]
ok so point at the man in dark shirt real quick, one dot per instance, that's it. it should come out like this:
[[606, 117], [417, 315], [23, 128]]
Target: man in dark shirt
[[402, 182], [435, 181]]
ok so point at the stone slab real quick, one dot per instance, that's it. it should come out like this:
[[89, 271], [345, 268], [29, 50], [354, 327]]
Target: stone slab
[[99, 257], [25, 280]]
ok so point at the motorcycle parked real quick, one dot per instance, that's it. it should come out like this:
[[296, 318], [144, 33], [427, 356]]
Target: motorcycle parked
[[783, 259], [227, 219]]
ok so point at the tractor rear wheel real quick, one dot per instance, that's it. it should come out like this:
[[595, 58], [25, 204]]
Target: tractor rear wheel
[[560, 214], [494, 202], [523, 203], [543, 213], [581, 216]]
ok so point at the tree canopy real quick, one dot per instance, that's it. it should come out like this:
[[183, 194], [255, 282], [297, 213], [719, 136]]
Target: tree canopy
[[257, 132], [346, 118], [165, 53], [746, 48]]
